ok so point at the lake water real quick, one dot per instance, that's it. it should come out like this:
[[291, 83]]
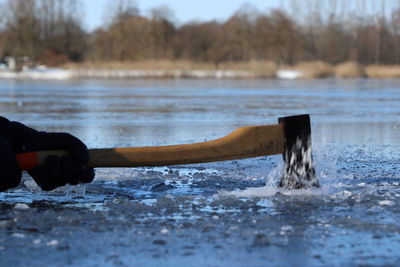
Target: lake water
[[218, 214]]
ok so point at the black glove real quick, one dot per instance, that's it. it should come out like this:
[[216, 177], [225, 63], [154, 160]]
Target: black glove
[[56, 171]]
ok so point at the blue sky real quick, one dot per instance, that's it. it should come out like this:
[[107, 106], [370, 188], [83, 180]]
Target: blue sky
[[204, 10], [184, 10]]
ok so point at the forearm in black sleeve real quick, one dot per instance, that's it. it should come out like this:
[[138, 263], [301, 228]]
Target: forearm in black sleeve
[[17, 134], [10, 174]]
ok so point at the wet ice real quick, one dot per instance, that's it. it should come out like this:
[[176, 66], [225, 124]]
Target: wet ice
[[228, 213]]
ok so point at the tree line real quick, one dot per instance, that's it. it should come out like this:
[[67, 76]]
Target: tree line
[[52, 32]]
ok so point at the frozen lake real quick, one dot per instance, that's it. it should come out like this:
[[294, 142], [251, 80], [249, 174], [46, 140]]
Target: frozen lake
[[218, 214]]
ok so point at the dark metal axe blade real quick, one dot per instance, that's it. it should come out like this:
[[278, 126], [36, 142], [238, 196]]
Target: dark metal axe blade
[[299, 172]]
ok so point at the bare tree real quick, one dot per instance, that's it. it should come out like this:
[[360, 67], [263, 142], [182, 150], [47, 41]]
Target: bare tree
[[22, 28], [396, 31], [2, 29], [162, 32]]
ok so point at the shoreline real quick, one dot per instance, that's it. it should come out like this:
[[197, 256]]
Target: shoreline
[[184, 70]]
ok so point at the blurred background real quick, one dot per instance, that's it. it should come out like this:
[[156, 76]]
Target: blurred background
[[320, 38]]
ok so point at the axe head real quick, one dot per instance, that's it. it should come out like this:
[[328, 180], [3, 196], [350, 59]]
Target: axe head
[[299, 172]]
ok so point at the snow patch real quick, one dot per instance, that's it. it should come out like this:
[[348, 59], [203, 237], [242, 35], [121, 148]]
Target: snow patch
[[288, 74]]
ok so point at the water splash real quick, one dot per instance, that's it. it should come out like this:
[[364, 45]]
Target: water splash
[[299, 172]]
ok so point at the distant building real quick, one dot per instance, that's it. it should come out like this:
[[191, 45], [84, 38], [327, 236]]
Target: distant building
[[3, 65], [11, 63]]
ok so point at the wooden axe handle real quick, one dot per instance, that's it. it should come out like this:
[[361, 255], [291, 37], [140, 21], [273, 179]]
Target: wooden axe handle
[[245, 142]]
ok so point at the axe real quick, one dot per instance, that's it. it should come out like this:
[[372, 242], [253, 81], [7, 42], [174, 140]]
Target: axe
[[291, 137]]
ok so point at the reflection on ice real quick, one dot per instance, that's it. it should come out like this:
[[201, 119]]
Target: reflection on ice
[[204, 212]]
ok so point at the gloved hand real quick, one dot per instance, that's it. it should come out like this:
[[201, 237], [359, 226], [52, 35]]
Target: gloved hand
[[70, 169]]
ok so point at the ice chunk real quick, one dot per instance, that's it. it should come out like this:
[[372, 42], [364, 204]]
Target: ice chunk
[[21, 206], [287, 228], [164, 231], [53, 242], [386, 203], [18, 235]]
